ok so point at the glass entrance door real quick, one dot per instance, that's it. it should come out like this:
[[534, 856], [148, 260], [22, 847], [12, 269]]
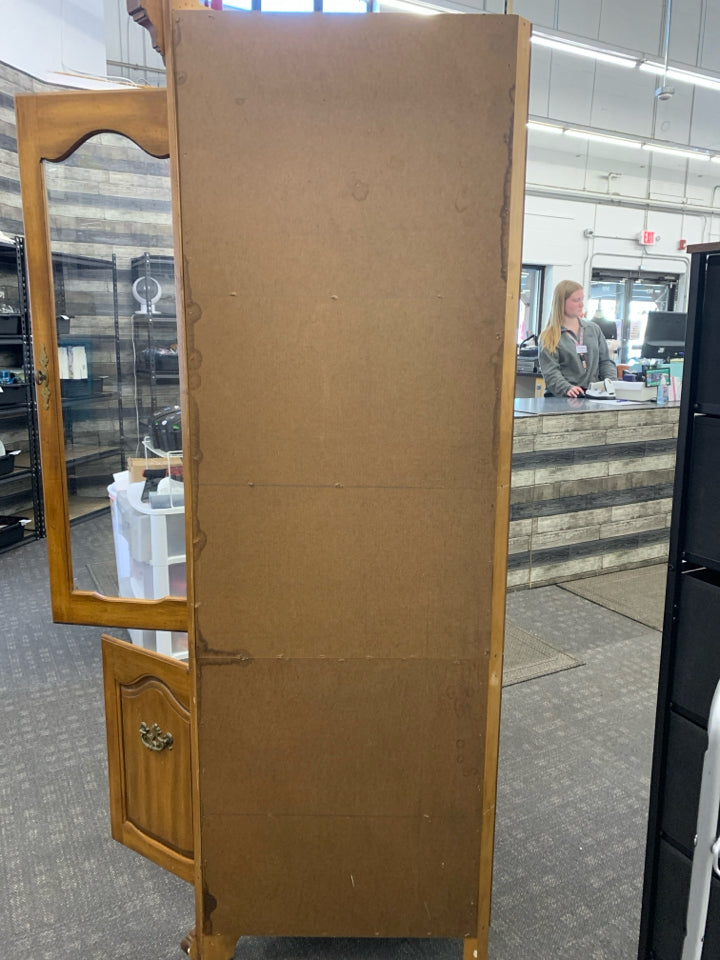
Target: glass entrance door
[[626, 298]]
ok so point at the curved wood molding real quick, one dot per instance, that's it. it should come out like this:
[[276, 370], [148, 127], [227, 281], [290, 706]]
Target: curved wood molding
[[50, 126], [152, 14], [59, 123], [149, 14]]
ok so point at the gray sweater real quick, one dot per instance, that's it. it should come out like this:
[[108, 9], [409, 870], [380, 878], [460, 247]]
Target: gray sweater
[[564, 368]]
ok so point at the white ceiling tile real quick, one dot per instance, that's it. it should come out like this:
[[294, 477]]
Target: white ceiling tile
[[635, 25], [541, 13], [672, 120], [684, 32], [579, 19], [553, 167], [668, 175], [705, 129], [613, 171], [540, 81], [710, 58], [571, 88], [623, 100]]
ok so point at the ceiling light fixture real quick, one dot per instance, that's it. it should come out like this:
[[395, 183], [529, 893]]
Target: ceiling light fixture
[[676, 152], [697, 77], [603, 138], [682, 76], [583, 50], [691, 153], [544, 127]]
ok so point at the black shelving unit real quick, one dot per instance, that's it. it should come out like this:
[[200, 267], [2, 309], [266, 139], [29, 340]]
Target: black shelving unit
[[86, 299], [154, 335], [690, 658], [20, 480]]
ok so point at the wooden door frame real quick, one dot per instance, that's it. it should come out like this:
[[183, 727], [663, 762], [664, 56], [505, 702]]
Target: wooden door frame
[[50, 127]]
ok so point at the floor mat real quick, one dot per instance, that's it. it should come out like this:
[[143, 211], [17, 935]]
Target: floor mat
[[638, 594], [528, 657]]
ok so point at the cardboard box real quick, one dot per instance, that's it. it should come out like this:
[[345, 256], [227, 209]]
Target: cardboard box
[[138, 465]]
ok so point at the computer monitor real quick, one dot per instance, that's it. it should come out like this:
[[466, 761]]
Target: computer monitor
[[664, 335], [608, 327]]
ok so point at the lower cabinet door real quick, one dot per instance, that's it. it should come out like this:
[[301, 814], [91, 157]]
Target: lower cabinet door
[[147, 697]]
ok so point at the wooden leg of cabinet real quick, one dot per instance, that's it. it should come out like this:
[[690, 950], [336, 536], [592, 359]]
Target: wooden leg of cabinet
[[470, 949], [215, 947], [186, 944]]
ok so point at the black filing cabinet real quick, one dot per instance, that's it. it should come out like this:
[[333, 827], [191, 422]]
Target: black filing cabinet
[[690, 660]]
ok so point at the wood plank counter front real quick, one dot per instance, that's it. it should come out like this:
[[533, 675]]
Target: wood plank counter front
[[591, 488]]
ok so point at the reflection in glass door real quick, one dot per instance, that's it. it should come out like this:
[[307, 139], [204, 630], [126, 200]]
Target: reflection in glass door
[[118, 363]]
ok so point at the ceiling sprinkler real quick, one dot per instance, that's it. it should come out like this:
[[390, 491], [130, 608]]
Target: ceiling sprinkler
[[665, 92]]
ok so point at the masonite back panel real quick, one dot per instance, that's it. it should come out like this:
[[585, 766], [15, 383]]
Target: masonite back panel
[[350, 283]]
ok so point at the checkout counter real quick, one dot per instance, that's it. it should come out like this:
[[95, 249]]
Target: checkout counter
[[592, 487]]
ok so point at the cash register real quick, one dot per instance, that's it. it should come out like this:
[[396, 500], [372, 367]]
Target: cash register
[[527, 358]]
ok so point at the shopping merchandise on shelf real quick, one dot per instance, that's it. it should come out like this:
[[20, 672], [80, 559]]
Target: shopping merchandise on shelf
[[10, 326], [7, 460], [13, 394], [11, 530], [166, 428], [160, 359]]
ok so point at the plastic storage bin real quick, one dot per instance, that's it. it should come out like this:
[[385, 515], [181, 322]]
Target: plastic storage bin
[[150, 557], [11, 530]]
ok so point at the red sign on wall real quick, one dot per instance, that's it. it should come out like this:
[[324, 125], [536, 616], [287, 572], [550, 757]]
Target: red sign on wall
[[648, 238]]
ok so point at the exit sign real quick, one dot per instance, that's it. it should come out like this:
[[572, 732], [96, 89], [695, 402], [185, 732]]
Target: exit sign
[[648, 238]]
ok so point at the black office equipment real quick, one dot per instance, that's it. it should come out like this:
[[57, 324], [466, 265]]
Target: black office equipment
[[690, 658], [664, 335], [528, 352]]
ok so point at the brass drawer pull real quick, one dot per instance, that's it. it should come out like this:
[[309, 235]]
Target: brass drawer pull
[[154, 738], [41, 376]]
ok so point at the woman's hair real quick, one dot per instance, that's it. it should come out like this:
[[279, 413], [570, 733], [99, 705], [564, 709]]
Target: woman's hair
[[551, 332]]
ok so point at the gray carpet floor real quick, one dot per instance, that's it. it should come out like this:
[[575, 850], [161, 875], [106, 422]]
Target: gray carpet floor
[[571, 814]]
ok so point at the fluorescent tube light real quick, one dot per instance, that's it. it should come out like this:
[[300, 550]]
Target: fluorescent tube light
[[592, 53], [554, 127], [676, 152], [683, 76], [601, 138], [543, 127]]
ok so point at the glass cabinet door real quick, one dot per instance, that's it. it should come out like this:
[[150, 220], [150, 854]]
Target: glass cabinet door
[[114, 489]]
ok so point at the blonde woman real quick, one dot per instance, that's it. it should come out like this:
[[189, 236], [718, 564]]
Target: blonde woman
[[573, 351]]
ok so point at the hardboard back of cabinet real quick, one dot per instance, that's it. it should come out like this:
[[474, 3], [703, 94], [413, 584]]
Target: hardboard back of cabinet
[[350, 197]]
